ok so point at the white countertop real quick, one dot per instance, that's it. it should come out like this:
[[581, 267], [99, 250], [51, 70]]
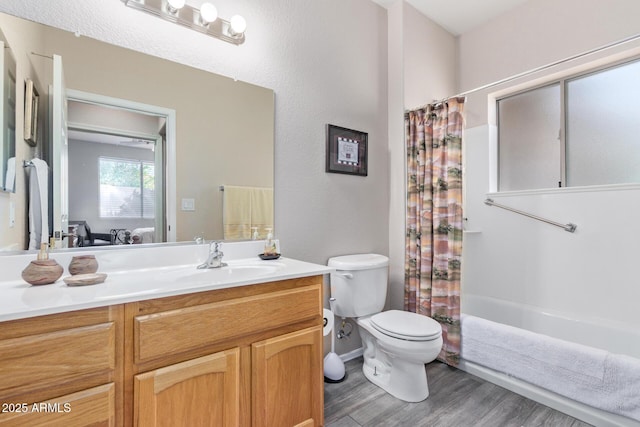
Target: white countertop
[[21, 300]]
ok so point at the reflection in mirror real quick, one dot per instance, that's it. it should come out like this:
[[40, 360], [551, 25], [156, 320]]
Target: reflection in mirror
[[7, 118], [127, 146], [223, 137]]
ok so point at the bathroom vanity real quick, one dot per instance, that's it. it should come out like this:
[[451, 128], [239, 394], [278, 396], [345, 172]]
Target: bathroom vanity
[[198, 350]]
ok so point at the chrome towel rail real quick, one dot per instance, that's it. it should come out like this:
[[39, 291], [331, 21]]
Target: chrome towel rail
[[567, 227]]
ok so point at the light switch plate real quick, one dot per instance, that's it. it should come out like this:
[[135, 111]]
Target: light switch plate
[[188, 204]]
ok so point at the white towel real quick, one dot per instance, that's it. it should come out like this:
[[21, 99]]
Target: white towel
[[592, 376], [38, 203], [10, 177], [144, 235]]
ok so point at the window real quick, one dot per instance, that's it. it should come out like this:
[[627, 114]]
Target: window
[[582, 130], [126, 188]]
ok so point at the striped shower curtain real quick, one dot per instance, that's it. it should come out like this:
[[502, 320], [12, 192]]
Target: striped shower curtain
[[434, 218]]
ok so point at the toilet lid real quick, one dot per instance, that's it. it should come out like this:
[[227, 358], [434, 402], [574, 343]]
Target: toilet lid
[[406, 325]]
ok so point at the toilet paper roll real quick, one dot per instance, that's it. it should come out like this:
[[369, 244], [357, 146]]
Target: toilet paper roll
[[328, 322]]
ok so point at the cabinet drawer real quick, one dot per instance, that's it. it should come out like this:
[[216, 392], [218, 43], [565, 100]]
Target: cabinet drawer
[[95, 406], [175, 331], [45, 360]]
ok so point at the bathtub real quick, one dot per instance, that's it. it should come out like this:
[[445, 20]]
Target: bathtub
[[611, 336], [569, 348]]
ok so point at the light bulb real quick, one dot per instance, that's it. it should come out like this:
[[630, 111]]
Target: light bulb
[[175, 5], [208, 13], [238, 25]]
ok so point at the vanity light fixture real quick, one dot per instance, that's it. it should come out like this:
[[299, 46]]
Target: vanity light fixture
[[174, 6], [204, 20]]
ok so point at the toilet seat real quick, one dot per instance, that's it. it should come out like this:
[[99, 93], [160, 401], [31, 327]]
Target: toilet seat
[[406, 325]]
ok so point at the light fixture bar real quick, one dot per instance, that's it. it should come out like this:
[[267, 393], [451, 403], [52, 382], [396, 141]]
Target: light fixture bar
[[189, 17]]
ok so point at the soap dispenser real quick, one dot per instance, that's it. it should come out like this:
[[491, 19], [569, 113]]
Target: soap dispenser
[[270, 244], [42, 271]]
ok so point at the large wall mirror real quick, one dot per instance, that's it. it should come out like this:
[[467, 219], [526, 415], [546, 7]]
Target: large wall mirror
[[217, 134]]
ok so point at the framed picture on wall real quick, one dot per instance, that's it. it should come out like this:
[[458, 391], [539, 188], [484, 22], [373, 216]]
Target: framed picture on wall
[[31, 99], [346, 151]]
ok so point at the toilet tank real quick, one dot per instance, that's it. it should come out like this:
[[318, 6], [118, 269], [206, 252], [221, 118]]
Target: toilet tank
[[359, 284]]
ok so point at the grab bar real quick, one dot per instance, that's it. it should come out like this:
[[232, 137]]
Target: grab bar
[[570, 227]]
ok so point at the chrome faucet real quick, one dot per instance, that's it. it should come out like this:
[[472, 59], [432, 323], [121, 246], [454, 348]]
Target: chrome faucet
[[215, 256]]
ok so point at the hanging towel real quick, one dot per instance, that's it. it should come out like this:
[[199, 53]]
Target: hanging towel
[[10, 177], [262, 209], [244, 208], [38, 203], [236, 212]]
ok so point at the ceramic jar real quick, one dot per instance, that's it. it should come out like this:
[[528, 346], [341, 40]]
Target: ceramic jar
[[83, 264]]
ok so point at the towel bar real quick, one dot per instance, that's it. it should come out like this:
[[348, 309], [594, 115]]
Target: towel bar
[[570, 227]]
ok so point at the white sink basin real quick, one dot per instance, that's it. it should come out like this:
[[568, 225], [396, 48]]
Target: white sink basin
[[234, 271]]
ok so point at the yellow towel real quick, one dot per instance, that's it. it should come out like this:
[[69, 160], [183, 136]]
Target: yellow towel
[[244, 208], [237, 212], [262, 210]]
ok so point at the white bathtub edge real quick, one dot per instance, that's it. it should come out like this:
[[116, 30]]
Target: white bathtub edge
[[570, 407]]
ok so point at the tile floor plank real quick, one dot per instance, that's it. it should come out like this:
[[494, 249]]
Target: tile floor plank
[[457, 399]]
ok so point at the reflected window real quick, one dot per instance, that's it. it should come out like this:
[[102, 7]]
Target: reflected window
[[127, 188]]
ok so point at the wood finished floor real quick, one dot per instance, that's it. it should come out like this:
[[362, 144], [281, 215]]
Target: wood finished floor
[[457, 399]]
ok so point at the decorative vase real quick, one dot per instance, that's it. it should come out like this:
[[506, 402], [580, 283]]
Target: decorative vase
[[83, 264], [42, 272]]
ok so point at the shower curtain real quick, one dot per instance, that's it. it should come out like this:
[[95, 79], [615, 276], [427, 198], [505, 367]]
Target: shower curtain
[[434, 218]]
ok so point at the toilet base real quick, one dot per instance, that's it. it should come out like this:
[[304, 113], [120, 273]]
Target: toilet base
[[397, 366], [408, 382]]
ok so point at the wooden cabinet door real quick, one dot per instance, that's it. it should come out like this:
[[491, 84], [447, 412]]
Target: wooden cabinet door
[[287, 387], [198, 392]]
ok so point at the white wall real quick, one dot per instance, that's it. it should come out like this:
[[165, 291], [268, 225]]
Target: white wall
[[326, 62], [587, 275]]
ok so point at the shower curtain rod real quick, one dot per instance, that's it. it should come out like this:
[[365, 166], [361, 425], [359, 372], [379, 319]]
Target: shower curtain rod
[[552, 64], [567, 227], [538, 69]]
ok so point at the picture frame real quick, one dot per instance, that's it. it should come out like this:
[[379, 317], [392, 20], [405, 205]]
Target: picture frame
[[31, 103], [346, 151]]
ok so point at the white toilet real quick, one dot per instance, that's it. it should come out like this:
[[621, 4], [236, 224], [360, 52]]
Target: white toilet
[[397, 344]]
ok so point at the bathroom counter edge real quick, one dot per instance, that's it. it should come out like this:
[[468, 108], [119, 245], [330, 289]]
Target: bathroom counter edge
[[21, 300]]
